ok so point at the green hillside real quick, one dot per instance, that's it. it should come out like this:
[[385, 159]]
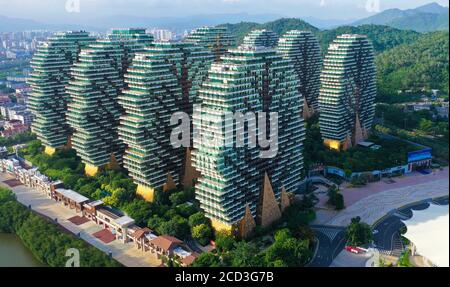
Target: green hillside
[[383, 37], [426, 18], [280, 27], [422, 64], [423, 22]]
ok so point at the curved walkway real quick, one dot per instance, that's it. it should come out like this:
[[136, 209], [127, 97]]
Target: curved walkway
[[374, 207]]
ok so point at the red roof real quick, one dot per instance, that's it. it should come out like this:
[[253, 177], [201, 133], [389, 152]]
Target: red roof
[[166, 242], [141, 232], [189, 260]]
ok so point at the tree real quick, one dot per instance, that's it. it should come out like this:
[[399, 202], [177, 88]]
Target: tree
[[246, 255], [202, 233], [178, 198], [339, 201], [426, 125], [139, 210], [224, 242], [207, 259], [177, 226], [198, 219], [287, 251], [358, 233]]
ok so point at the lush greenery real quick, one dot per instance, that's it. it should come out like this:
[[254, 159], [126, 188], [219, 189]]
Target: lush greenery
[[383, 38], [287, 250], [357, 159], [358, 233], [335, 198], [286, 244], [173, 212], [414, 66], [17, 139], [404, 261], [44, 239], [422, 127], [280, 27]]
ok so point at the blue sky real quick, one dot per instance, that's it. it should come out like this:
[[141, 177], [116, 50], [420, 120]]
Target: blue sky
[[55, 10]]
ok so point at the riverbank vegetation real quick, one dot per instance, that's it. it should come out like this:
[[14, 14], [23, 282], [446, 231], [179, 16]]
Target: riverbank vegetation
[[44, 239]]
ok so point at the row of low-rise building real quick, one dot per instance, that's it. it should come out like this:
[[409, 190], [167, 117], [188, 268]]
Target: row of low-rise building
[[120, 225], [16, 112]]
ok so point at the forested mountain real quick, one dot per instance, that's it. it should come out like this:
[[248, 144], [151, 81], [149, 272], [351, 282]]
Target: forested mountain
[[422, 64], [383, 37], [280, 27], [430, 17]]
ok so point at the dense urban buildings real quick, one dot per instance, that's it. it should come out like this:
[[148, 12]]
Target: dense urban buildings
[[261, 38], [51, 66], [163, 80], [347, 92], [97, 82], [249, 79], [303, 49], [217, 39]]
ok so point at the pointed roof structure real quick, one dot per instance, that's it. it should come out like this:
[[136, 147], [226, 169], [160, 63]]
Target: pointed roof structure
[[307, 111], [170, 183], [347, 143], [113, 163], [247, 224], [359, 136], [269, 209], [285, 201], [190, 173]]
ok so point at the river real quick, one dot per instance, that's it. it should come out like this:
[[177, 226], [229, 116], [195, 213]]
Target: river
[[14, 254]]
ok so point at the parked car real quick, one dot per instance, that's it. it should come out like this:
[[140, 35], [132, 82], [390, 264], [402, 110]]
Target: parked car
[[353, 249]]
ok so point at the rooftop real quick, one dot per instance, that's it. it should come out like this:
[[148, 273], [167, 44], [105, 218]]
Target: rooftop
[[72, 195], [166, 242]]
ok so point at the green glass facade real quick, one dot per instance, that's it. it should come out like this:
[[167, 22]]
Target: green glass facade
[[348, 87], [249, 79], [48, 98], [217, 39], [261, 38], [98, 81], [163, 80], [303, 49]]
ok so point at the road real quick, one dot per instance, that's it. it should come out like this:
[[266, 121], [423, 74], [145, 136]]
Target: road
[[330, 241]]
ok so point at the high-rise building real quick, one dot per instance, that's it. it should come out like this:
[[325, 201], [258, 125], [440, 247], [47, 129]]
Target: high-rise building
[[250, 79], [347, 93], [48, 98], [303, 49], [94, 110], [163, 80], [261, 38], [217, 39]]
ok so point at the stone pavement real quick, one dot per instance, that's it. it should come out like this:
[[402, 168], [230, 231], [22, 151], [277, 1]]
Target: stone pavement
[[127, 254], [373, 207]]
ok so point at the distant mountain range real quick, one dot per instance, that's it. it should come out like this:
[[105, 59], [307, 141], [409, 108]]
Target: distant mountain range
[[430, 17], [178, 24]]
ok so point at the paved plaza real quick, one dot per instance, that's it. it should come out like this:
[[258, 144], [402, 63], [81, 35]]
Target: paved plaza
[[378, 199], [127, 254]]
